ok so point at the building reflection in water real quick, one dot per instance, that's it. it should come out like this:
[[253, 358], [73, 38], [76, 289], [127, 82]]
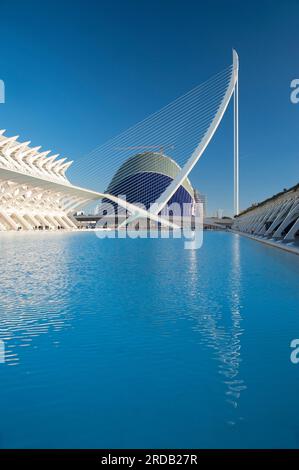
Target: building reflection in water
[[233, 356], [34, 287], [217, 332], [35, 298]]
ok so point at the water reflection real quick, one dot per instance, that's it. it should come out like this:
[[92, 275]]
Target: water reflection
[[33, 290], [216, 331], [233, 355]]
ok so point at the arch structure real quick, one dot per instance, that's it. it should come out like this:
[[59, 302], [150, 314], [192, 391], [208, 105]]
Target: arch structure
[[180, 178], [276, 218], [35, 192]]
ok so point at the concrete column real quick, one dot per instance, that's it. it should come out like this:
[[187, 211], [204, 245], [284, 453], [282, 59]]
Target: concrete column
[[62, 223], [43, 222], [50, 223], [22, 221], [270, 218], [9, 221], [291, 215], [53, 221], [279, 217], [34, 221], [292, 232], [73, 220], [69, 222]]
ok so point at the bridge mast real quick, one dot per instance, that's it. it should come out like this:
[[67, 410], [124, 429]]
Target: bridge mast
[[236, 148]]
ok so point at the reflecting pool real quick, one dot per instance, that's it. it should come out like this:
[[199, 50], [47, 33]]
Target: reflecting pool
[[141, 343]]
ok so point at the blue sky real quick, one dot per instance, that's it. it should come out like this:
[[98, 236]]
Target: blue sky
[[79, 72]]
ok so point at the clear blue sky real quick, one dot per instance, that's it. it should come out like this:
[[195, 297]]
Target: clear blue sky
[[79, 72]]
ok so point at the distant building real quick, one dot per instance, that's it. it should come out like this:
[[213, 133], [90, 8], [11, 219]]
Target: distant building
[[219, 213], [202, 199]]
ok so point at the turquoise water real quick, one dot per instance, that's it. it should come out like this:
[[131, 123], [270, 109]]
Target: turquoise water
[[141, 343]]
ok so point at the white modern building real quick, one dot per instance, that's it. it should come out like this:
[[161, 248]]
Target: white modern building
[[276, 218], [34, 190]]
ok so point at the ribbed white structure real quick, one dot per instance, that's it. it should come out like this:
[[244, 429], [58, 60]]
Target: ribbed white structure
[[34, 190], [276, 218], [19, 156]]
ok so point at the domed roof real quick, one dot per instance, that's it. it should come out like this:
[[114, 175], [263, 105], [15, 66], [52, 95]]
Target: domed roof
[[148, 162]]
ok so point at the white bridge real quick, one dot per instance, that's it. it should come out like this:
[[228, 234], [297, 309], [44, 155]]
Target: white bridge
[[35, 192]]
